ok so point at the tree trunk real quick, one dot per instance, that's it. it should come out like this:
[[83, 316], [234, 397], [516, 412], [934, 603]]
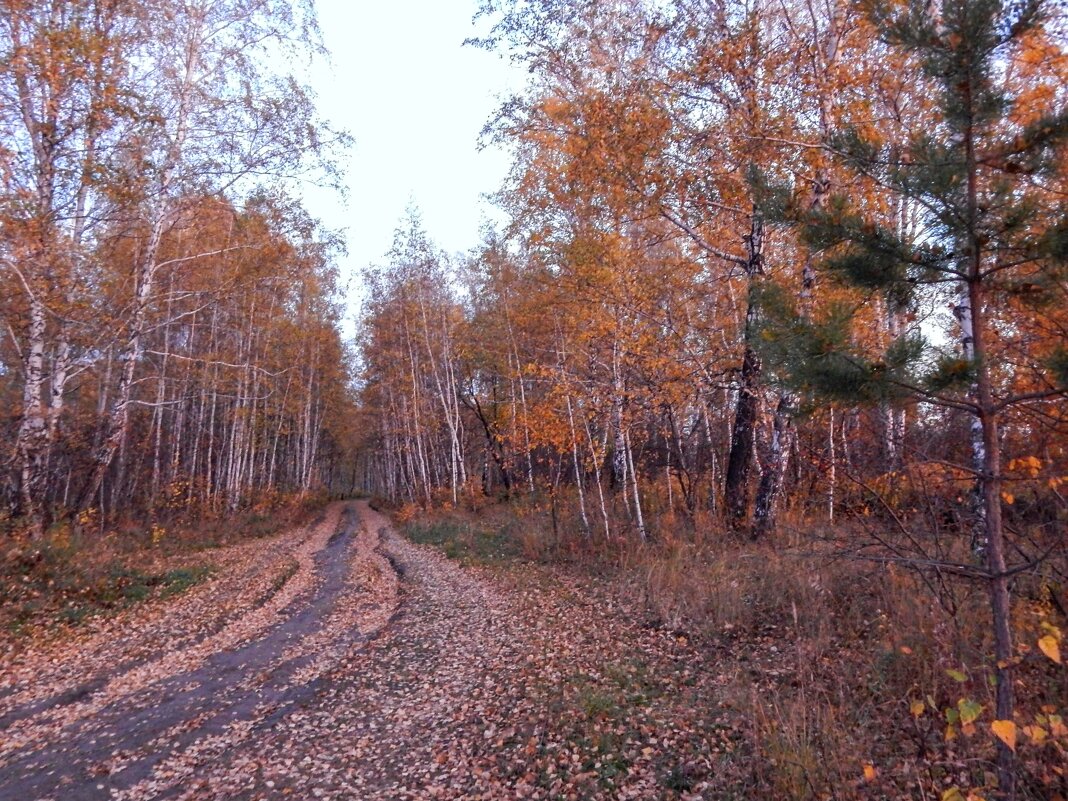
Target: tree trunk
[[619, 447], [639, 518], [596, 458], [740, 460], [119, 417], [31, 442], [771, 483], [579, 481]]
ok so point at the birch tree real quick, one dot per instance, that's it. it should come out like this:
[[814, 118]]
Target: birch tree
[[62, 109], [214, 116]]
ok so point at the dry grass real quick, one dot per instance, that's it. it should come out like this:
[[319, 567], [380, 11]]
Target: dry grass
[[871, 662], [844, 670], [83, 568]]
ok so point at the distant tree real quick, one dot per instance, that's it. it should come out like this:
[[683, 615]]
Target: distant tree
[[134, 141], [213, 116]]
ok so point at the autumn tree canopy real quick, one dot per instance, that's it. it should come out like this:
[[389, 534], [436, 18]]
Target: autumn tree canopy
[[766, 265], [162, 293]]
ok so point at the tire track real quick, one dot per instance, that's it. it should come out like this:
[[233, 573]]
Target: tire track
[[184, 703]]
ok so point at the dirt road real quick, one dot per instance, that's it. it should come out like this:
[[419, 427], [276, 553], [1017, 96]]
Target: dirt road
[[108, 730], [344, 662]]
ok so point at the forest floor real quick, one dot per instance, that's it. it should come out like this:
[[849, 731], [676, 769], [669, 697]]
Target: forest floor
[[341, 660]]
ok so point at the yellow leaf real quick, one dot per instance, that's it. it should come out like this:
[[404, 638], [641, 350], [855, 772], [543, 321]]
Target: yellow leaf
[[869, 773], [1048, 645], [951, 733], [952, 794], [1036, 733], [916, 708], [1005, 730]]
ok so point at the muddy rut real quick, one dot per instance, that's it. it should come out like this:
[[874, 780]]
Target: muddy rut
[[143, 723]]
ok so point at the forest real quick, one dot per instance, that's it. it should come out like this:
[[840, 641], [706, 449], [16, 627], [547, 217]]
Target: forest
[[171, 313], [768, 342], [784, 272]]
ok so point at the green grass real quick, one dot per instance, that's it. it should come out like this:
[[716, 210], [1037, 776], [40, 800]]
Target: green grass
[[125, 586], [52, 585], [178, 581], [596, 704], [465, 542], [81, 570]]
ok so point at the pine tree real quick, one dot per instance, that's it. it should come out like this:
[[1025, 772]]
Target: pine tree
[[985, 174]]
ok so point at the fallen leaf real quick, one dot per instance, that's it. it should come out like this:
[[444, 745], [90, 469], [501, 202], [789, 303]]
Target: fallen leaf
[[1050, 647], [1005, 730]]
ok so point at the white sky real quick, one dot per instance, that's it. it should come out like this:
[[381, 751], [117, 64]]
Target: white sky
[[414, 99]]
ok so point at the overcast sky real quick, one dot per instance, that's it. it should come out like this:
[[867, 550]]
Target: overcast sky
[[414, 99]]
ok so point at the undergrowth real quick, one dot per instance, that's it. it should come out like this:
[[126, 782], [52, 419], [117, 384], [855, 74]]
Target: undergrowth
[[84, 568], [57, 584], [469, 540], [851, 679]]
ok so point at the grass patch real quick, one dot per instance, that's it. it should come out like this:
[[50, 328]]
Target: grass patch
[[63, 581], [175, 582], [466, 542], [87, 567], [807, 675], [596, 704]]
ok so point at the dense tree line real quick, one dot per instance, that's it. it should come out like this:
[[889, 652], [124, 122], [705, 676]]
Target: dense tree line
[[761, 256], [736, 242], [170, 317]]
